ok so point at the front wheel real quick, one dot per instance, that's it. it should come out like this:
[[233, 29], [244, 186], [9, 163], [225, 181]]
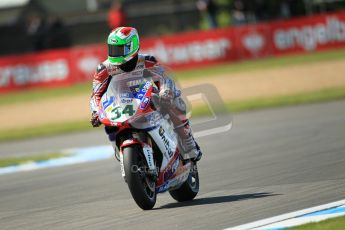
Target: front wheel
[[140, 185], [189, 189]]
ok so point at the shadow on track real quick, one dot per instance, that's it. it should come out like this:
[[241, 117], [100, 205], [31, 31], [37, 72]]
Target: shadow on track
[[217, 200]]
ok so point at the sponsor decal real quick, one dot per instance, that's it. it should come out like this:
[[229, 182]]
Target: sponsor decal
[[123, 174], [171, 170], [126, 100], [25, 74], [138, 82], [138, 91], [146, 87], [144, 103], [88, 64], [108, 101], [148, 153], [140, 95], [253, 42], [165, 141], [310, 36], [109, 109], [194, 51], [126, 95], [135, 82]]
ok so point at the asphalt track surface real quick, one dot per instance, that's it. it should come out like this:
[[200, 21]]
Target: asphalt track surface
[[271, 162]]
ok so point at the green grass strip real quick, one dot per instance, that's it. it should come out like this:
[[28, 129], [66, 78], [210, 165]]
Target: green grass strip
[[44, 130], [44, 94], [21, 160], [330, 224], [262, 103], [263, 63], [226, 68], [297, 99]]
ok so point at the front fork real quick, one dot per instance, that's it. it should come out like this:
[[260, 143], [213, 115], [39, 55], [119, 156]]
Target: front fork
[[147, 152]]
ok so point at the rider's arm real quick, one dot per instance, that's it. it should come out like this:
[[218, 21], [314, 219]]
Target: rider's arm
[[169, 93], [165, 83], [100, 83]]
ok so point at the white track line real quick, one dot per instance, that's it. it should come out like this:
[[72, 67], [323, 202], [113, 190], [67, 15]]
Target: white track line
[[265, 222], [213, 131], [299, 221], [73, 156]]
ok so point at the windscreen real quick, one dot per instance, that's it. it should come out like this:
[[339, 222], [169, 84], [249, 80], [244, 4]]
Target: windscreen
[[127, 93]]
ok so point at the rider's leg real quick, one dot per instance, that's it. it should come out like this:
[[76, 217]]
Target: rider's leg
[[177, 114]]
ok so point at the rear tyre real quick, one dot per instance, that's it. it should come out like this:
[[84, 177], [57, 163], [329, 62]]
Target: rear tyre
[[189, 189], [140, 185]]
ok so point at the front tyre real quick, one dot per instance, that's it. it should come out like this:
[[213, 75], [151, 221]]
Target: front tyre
[[140, 185], [189, 189]]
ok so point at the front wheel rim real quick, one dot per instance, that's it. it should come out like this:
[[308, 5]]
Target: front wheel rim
[[148, 184]]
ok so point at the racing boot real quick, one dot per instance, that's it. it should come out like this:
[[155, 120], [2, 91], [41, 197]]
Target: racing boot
[[189, 146]]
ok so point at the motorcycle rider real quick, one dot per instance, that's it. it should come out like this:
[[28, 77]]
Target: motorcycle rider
[[124, 56]]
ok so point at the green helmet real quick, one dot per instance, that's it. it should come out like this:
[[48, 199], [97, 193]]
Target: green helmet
[[123, 45]]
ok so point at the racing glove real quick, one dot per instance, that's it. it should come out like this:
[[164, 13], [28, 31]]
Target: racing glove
[[166, 97], [95, 122]]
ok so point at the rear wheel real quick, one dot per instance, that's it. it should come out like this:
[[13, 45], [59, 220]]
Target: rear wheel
[[189, 189], [141, 186]]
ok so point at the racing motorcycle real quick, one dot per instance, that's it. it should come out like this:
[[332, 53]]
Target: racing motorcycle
[[147, 146]]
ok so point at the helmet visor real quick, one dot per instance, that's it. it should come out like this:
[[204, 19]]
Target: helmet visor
[[118, 50]]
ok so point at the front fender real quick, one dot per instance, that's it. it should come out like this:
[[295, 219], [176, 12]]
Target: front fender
[[130, 142]]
